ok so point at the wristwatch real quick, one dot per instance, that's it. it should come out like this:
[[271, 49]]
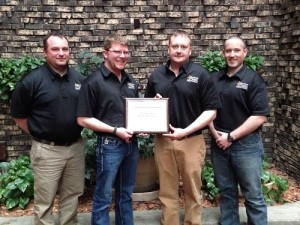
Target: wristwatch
[[229, 137], [115, 130]]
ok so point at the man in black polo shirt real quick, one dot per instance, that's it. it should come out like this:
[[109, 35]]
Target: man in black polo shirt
[[193, 102], [237, 149], [101, 107], [44, 105]]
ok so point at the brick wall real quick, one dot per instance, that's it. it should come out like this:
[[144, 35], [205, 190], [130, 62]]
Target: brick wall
[[287, 114], [269, 27]]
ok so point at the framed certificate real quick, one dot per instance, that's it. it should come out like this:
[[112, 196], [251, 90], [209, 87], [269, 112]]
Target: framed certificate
[[147, 115]]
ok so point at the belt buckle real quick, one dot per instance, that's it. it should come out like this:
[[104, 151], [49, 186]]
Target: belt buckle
[[106, 140]]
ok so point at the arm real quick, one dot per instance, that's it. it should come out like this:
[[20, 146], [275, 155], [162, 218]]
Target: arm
[[216, 134], [250, 125], [22, 123], [98, 126], [203, 120]]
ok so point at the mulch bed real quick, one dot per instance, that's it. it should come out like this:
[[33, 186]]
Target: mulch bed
[[291, 195]]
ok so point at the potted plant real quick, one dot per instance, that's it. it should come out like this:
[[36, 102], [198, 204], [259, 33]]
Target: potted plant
[[146, 179], [146, 185]]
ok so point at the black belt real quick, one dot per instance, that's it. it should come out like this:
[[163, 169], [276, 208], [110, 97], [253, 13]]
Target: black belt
[[54, 143]]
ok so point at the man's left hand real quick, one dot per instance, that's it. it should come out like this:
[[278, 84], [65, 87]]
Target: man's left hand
[[222, 141], [175, 133]]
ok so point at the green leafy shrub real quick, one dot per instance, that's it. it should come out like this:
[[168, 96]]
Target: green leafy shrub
[[13, 70], [16, 185], [88, 62], [214, 61], [209, 185], [254, 62], [273, 186]]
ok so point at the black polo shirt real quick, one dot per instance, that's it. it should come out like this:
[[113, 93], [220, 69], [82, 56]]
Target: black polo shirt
[[49, 101], [102, 96], [190, 93], [242, 95]]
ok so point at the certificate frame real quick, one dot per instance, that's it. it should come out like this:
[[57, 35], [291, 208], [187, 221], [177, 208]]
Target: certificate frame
[[147, 115]]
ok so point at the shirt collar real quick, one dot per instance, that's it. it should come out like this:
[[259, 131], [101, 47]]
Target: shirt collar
[[239, 75], [106, 72], [55, 75], [184, 67]]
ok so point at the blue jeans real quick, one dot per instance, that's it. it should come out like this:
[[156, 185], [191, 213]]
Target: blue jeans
[[116, 167], [241, 164]]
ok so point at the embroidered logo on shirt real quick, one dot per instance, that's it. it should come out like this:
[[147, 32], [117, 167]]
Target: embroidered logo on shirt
[[242, 85], [130, 85], [192, 79], [77, 86]]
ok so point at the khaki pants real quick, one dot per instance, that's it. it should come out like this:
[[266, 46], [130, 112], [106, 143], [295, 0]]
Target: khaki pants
[[57, 169], [175, 158]]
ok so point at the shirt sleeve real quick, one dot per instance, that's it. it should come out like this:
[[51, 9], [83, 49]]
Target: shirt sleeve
[[258, 97], [150, 92], [21, 102], [87, 100], [209, 95]]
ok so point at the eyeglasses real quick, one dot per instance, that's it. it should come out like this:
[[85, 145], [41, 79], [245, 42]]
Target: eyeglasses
[[118, 52]]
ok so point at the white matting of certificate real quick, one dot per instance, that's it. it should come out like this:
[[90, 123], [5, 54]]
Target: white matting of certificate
[[147, 115]]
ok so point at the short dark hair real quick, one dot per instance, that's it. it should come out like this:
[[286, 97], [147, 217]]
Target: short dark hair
[[238, 38], [52, 33]]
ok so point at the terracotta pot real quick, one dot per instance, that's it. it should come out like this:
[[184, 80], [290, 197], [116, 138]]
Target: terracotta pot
[[146, 177]]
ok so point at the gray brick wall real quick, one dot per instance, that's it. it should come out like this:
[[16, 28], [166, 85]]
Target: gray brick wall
[[270, 28]]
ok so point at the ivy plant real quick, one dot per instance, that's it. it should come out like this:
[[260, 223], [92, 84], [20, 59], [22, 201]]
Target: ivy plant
[[209, 186], [13, 70], [16, 185]]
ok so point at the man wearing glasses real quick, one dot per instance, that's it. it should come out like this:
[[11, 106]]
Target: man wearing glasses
[[101, 108]]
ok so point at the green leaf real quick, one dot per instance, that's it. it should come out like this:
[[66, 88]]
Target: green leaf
[[11, 203], [11, 186], [23, 201], [22, 186], [209, 185]]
